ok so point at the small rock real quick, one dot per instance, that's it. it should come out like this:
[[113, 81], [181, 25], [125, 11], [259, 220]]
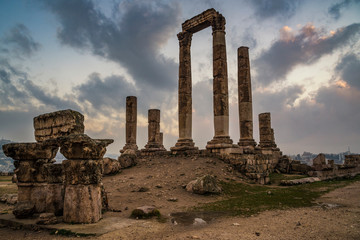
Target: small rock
[[269, 193], [195, 237], [24, 210], [47, 219], [158, 186], [145, 212], [173, 199], [236, 224], [199, 221], [298, 224], [143, 189], [257, 233]]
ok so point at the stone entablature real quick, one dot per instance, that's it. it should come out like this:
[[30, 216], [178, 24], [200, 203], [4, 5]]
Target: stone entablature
[[57, 124]]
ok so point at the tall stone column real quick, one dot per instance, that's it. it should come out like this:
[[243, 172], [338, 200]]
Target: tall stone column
[[220, 87], [245, 99], [185, 141], [266, 132], [154, 137], [131, 123]]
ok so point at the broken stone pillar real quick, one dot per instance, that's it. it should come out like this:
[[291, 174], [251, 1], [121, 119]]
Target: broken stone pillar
[[131, 122], [266, 132], [58, 124], [220, 88], [185, 141], [245, 99], [154, 139], [83, 176], [30, 164]]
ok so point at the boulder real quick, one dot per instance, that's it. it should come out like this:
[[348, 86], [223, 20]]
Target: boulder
[[145, 212], [9, 199], [128, 158], [111, 166], [24, 210], [81, 147], [203, 185]]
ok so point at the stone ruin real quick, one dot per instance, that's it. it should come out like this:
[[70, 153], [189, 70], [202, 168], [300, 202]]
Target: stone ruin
[[72, 189]]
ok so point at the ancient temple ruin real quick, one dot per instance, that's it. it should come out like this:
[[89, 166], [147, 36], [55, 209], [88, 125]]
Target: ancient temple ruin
[[220, 82], [72, 188]]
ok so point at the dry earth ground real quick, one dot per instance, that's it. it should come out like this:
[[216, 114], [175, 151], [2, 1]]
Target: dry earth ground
[[156, 181]]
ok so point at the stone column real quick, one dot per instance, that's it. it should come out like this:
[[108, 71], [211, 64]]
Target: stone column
[[266, 132], [185, 141], [131, 123], [83, 177], [30, 169], [153, 143], [245, 99], [220, 87]]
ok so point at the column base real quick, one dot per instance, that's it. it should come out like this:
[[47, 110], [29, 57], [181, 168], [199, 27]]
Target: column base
[[184, 145], [219, 142], [152, 148], [131, 146]]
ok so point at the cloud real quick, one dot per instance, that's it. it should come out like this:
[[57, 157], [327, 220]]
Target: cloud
[[134, 41], [306, 47], [20, 41], [349, 70], [105, 94], [335, 9], [275, 8], [329, 118]]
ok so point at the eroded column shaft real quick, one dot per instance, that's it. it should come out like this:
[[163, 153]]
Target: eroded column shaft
[[131, 123], [245, 98], [185, 86], [220, 82], [266, 132], [154, 136]]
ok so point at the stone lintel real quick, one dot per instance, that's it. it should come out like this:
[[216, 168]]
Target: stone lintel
[[200, 22]]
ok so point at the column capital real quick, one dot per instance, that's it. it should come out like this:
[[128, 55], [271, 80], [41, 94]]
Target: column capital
[[184, 38], [218, 23]]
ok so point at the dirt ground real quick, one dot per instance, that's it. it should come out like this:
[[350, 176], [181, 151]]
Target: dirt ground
[[159, 182]]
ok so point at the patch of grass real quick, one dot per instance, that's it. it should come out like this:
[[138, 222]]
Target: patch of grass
[[245, 200], [68, 233], [276, 178], [8, 189]]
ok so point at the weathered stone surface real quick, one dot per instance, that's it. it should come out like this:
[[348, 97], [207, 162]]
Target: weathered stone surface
[[131, 122], [299, 181], [54, 201], [31, 151], [111, 166], [24, 210], [47, 219], [81, 146], [58, 124], [245, 99], [203, 185], [82, 171], [82, 204], [54, 173], [145, 212], [154, 138], [11, 199], [35, 193], [319, 163], [128, 159], [266, 132]]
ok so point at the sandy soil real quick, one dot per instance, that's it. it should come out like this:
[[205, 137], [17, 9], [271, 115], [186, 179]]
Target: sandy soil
[[155, 182]]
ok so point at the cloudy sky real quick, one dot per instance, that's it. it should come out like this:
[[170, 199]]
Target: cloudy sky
[[89, 55]]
